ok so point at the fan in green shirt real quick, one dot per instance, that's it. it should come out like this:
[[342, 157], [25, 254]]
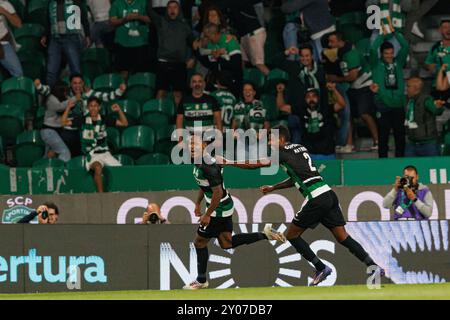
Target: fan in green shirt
[[387, 71], [353, 66], [250, 112], [228, 43], [226, 101], [439, 50], [131, 22]]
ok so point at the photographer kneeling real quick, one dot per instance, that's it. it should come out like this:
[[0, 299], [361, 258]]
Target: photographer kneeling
[[153, 215], [410, 199], [47, 213]]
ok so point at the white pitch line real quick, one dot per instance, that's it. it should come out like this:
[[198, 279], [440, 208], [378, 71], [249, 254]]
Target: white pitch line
[[219, 259], [290, 273], [290, 258], [282, 247], [219, 273], [226, 284], [282, 283]]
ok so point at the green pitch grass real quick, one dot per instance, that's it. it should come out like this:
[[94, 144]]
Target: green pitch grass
[[360, 292]]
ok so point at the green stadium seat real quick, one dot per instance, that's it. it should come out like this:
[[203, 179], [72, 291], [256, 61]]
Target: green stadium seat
[[353, 26], [157, 113], [137, 141], [2, 154], [354, 18], [20, 8], [29, 148], [254, 76], [3, 76], [37, 12], [270, 104], [153, 159], [131, 108], [113, 137], [95, 62], [447, 138], [12, 119], [49, 163], [165, 147], [108, 82], [39, 118], [163, 133], [19, 91], [141, 87], [76, 163], [33, 64], [124, 159], [29, 37], [274, 77], [446, 150], [163, 138], [84, 177]]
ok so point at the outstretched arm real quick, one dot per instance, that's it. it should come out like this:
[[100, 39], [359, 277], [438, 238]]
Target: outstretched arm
[[286, 184], [442, 79], [248, 164]]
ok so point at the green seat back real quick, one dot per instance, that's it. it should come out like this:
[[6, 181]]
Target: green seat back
[[29, 36], [153, 159], [165, 147], [33, 64], [12, 119], [95, 62], [76, 163], [48, 163], [137, 141], [113, 137], [29, 148], [124, 159], [144, 79], [274, 77], [39, 119], [141, 87], [164, 132], [255, 76], [37, 12], [158, 112], [270, 104], [165, 106], [19, 91], [108, 82], [131, 108], [2, 154], [163, 138]]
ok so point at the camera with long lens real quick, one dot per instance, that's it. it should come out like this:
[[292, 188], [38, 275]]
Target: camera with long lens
[[44, 214], [406, 182], [153, 218]]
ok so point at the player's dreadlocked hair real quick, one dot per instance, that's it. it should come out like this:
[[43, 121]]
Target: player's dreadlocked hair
[[283, 132]]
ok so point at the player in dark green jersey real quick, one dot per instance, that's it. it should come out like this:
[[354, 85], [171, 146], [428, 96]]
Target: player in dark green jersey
[[217, 221], [321, 204]]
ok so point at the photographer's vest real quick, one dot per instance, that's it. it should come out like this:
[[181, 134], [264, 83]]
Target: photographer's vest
[[409, 208], [426, 122], [70, 12]]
